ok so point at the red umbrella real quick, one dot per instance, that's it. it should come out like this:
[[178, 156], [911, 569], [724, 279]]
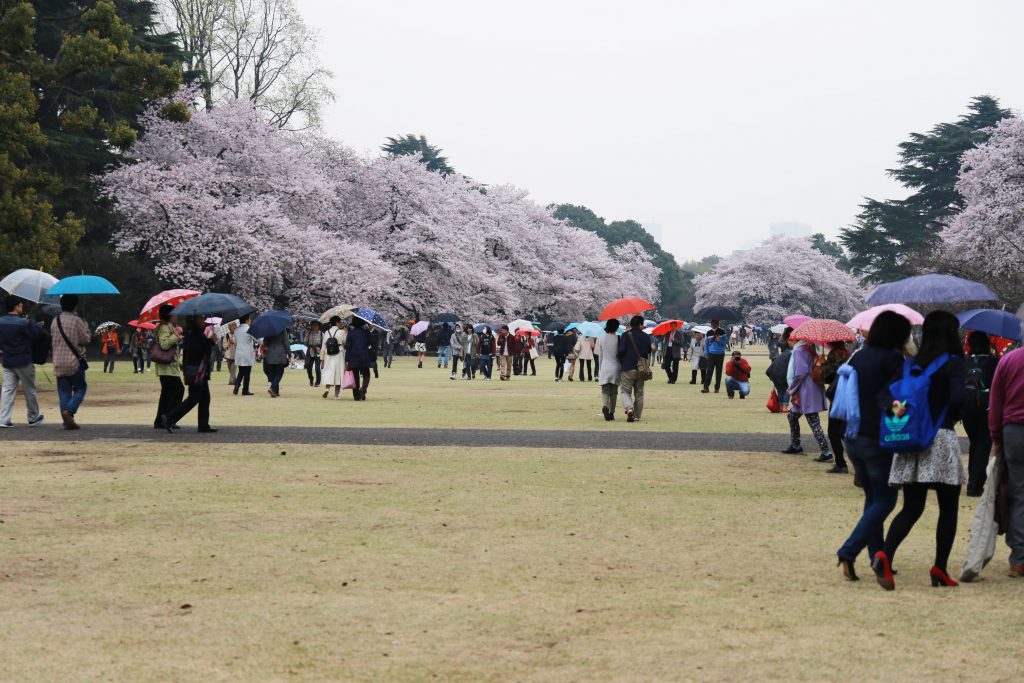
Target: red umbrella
[[141, 326], [630, 305], [665, 327], [532, 333], [151, 311], [823, 332]]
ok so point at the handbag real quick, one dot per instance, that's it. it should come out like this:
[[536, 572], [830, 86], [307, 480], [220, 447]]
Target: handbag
[[774, 405], [643, 365], [348, 380], [83, 364], [159, 354], [196, 375]]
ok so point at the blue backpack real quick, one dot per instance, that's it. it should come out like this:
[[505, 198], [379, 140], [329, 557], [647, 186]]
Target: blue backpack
[[915, 430]]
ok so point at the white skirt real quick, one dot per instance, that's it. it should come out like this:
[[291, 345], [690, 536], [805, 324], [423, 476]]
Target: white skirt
[[941, 464]]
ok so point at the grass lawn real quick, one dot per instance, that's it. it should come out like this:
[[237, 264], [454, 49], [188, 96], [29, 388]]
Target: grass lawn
[[118, 562], [405, 396]]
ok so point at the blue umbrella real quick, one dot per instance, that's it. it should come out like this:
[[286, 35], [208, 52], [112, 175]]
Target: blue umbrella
[[993, 322], [270, 324], [226, 306], [298, 347], [590, 329], [371, 316], [930, 289], [571, 326], [82, 284], [482, 326]]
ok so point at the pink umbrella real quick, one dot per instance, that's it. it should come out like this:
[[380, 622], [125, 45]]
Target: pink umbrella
[[797, 320], [214, 321], [419, 327], [864, 320], [151, 311]]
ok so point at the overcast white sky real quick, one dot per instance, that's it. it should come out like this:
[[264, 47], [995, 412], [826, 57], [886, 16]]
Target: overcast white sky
[[711, 118]]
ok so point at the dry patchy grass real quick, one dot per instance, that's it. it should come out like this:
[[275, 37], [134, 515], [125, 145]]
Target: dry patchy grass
[[121, 563]]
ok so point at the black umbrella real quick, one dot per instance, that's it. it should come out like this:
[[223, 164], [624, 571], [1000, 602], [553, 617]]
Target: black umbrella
[[306, 315], [226, 306], [718, 313], [449, 318], [556, 325]]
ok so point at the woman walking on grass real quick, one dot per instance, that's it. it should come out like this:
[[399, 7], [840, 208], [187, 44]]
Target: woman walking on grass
[[333, 354], [874, 366], [169, 374], [806, 398], [939, 468], [195, 355], [607, 349]]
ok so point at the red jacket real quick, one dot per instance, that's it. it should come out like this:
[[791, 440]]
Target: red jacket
[[739, 371]]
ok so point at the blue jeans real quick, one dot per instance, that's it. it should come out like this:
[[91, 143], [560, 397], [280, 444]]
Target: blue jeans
[[872, 466], [444, 355], [485, 366], [71, 391], [732, 386]]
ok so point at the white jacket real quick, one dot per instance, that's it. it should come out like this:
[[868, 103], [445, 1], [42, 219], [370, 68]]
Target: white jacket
[[245, 349]]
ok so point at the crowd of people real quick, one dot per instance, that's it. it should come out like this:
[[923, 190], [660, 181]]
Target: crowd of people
[[857, 385]]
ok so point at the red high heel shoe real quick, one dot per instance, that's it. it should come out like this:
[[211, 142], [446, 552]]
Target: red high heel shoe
[[941, 578], [883, 571]]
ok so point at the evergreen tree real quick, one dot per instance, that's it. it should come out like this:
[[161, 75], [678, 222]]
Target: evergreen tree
[[411, 144], [893, 238], [677, 293]]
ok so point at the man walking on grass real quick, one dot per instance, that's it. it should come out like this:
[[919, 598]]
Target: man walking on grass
[[70, 335], [634, 344], [16, 336]]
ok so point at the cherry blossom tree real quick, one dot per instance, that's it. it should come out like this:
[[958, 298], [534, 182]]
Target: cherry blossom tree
[[228, 202], [985, 241], [785, 275]]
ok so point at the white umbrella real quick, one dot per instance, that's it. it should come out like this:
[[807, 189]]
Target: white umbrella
[[341, 310], [703, 329], [104, 326], [778, 329], [28, 284], [520, 324]]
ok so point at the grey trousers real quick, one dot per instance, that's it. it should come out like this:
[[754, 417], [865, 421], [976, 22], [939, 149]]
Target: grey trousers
[[1013, 453], [631, 386], [27, 377], [609, 394]]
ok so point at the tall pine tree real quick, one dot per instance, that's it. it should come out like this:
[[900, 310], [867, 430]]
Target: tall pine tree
[[892, 238]]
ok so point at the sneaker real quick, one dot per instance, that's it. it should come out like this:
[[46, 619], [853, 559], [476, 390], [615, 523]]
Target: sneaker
[[824, 457], [40, 419], [836, 469], [6, 425], [793, 450]]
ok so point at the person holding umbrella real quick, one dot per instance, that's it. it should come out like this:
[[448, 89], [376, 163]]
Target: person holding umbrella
[[70, 334], [111, 346], [806, 398], [17, 335], [634, 354], [168, 371], [673, 352], [357, 358], [275, 360], [332, 352], [199, 342], [419, 335]]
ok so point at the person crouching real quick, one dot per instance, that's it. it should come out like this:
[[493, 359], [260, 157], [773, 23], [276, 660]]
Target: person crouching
[[737, 375]]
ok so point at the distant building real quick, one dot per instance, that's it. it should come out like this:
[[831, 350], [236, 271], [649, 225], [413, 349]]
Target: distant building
[[790, 229], [655, 230]]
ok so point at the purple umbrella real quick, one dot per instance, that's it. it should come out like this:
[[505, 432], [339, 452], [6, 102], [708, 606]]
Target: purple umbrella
[[930, 289]]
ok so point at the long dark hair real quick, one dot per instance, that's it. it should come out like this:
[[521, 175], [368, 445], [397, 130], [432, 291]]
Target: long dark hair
[[889, 331], [941, 334]]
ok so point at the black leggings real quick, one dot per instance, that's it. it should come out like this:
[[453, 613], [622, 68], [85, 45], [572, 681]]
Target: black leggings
[[171, 393], [836, 430], [559, 366], [914, 497], [528, 362]]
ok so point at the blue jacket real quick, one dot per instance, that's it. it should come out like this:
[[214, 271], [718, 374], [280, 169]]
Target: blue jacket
[[357, 349], [712, 347], [16, 336], [627, 355]]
